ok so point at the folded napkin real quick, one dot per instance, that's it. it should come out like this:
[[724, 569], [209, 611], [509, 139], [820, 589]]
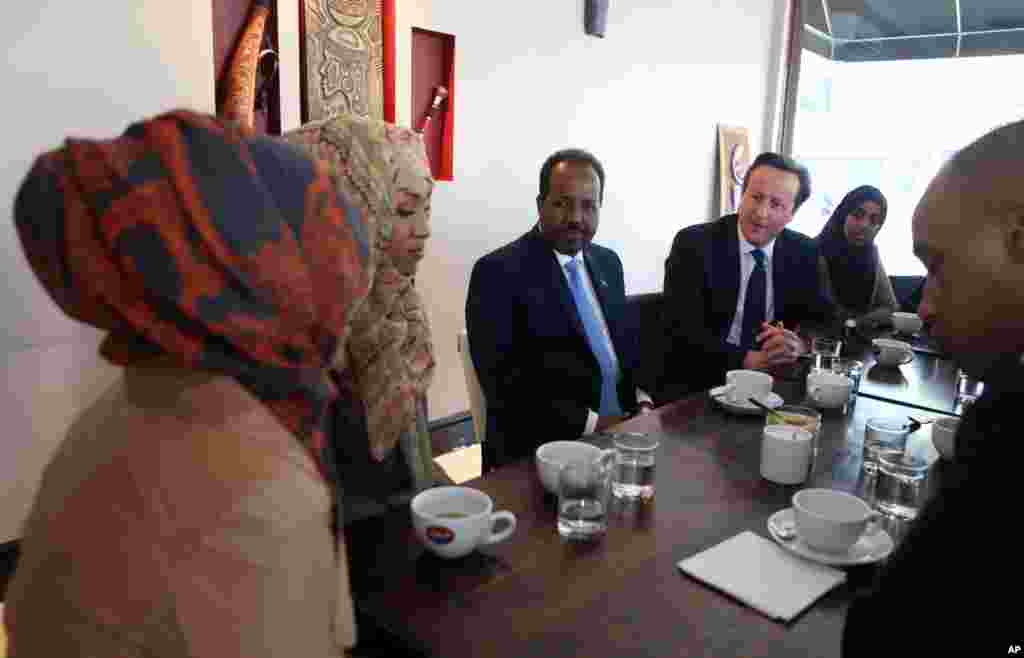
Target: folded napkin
[[763, 575]]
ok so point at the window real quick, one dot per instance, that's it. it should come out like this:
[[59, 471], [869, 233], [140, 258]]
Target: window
[[891, 116]]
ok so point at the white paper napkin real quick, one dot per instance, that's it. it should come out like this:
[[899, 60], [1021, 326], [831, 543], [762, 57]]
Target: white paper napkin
[[763, 575]]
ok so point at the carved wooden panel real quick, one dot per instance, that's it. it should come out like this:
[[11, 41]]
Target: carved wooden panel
[[343, 58]]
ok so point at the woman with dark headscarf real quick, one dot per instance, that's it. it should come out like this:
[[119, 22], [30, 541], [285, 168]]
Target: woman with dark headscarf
[[187, 513], [380, 444], [849, 265]]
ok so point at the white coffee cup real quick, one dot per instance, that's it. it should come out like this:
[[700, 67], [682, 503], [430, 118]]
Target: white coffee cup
[[786, 454], [745, 384], [829, 390], [832, 521], [453, 521], [891, 352], [907, 323], [943, 435]]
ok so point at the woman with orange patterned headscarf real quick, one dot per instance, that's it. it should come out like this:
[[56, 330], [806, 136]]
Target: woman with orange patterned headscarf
[[389, 363], [187, 512]]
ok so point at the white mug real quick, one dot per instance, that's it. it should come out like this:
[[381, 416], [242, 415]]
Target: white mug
[[453, 521], [744, 384], [829, 389], [786, 454]]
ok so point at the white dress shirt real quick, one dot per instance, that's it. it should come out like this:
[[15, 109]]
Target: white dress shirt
[[747, 264], [588, 290]]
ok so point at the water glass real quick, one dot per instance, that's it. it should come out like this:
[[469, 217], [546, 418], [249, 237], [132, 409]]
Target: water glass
[[968, 390], [583, 490], [854, 370], [634, 466], [825, 350], [900, 481], [882, 434]]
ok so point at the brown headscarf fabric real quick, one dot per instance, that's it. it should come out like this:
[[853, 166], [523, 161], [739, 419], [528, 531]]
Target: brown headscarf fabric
[[390, 359], [190, 238]]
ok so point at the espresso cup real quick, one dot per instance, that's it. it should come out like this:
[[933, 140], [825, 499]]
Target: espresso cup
[[832, 521], [829, 390], [745, 384], [892, 352], [453, 521]]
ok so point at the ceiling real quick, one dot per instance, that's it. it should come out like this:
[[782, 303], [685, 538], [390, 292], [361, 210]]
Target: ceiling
[[881, 30]]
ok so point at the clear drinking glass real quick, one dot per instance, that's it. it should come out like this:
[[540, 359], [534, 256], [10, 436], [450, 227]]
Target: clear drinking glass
[[634, 465], [825, 350], [854, 370], [881, 434], [583, 490], [900, 480], [968, 390]]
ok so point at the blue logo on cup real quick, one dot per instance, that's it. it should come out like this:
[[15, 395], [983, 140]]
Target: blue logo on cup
[[440, 535]]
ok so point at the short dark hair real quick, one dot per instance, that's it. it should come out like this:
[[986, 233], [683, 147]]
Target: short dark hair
[[785, 163], [569, 155]]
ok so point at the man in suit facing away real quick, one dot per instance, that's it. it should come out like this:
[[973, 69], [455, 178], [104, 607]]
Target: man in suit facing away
[[726, 280], [546, 317]]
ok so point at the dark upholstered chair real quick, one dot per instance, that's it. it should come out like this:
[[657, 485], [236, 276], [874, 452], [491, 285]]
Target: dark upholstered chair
[[908, 291], [645, 313]]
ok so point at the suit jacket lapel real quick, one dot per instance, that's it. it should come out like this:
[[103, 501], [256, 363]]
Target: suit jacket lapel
[[726, 266], [779, 273], [601, 290]]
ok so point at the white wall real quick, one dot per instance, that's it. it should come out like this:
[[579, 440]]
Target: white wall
[[85, 69], [646, 99]]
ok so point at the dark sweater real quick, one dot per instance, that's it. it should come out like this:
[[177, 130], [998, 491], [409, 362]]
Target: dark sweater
[[956, 578]]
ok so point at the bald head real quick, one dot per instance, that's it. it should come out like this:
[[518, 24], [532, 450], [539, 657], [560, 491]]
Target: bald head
[[969, 233]]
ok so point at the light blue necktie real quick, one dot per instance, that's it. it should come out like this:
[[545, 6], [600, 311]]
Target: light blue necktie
[[601, 348]]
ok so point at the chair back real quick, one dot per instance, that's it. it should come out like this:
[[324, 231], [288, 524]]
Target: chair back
[[645, 312], [477, 401]]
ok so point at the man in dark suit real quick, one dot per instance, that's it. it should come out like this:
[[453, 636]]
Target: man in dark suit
[[547, 325], [728, 284]]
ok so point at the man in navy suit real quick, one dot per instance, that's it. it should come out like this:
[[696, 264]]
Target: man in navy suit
[[547, 325], [728, 284]]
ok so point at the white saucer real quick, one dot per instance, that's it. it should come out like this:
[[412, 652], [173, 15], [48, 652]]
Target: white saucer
[[869, 548], [771, 400]]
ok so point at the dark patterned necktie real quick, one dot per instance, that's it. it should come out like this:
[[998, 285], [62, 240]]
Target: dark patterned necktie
[[756, 303]]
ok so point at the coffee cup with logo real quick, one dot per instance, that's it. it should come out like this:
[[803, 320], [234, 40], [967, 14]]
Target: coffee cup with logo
[[454, 521], [832, 521]]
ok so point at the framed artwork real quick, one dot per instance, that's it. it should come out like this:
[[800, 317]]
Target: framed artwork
[[347, 58], [734, 159]]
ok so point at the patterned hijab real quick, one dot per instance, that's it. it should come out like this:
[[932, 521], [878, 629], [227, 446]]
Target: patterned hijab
[[851, 267], [390, 360], [187, 237]]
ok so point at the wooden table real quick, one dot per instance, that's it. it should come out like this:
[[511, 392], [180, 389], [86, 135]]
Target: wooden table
[[536, 595]]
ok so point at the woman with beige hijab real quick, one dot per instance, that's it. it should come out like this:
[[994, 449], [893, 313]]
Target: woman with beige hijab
[[379, 441], [187, 512]]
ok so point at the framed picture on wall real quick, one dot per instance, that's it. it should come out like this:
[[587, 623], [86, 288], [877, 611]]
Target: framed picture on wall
[[347, 58], [733, 159]]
